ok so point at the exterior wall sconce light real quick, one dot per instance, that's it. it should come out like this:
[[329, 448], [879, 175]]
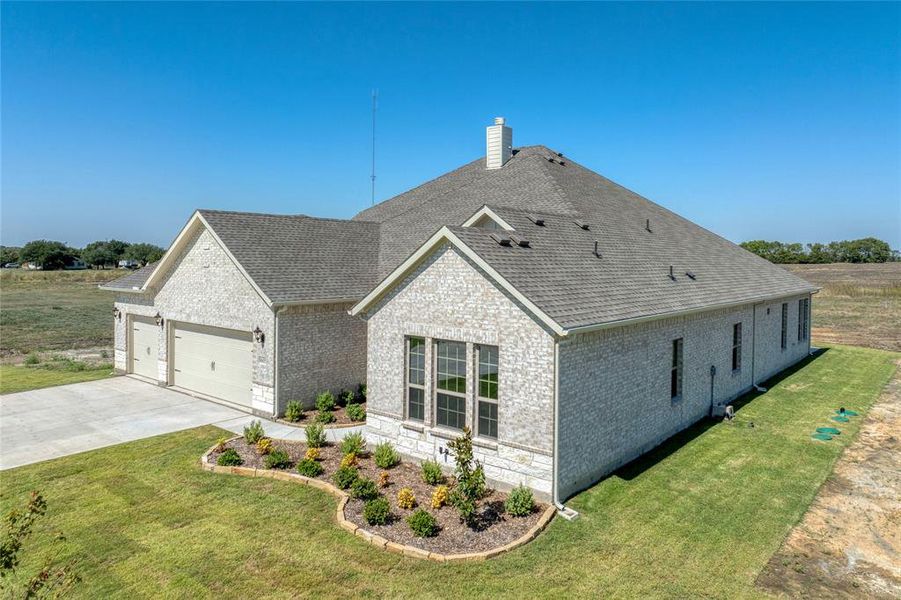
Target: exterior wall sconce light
[[117, 314], [258, 335], [159, 319]]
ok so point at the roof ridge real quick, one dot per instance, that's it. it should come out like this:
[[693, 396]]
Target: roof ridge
[[282, 216]]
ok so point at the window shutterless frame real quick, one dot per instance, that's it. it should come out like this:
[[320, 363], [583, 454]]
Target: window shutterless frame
[[676, 370], [415, 379], [736, 347], [486, 391], [450, 384], [803, 305]]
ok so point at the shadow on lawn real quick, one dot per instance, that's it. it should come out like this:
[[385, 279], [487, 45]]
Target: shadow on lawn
[[646, 461]]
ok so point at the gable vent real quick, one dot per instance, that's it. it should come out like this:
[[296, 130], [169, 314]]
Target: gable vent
[[536, 220], [501, 239], [582, 225]]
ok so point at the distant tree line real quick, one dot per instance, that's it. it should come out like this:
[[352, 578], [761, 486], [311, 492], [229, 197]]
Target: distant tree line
[[866, 250], [99, 255]]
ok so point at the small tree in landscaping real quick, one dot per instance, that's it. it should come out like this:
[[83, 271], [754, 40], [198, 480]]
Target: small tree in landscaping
[[253, 433], [294, 411], [470, 479], [315, 435], [386, 456], [353, 444]]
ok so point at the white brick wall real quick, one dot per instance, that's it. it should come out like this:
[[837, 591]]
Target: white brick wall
[[615, 383], [448, 298], [320, 347], [205, 287]]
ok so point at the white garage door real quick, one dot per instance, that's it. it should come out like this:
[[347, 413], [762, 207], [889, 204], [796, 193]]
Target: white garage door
[[145, 344], [213, 361]]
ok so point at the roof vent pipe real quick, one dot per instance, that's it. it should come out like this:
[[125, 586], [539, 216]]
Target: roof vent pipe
[[647, 224], [596, 251], [499, 144], [671, 275]]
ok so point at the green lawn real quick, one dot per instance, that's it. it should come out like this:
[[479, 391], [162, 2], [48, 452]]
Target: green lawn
[[20, 378], [55, 310], [698, 517]]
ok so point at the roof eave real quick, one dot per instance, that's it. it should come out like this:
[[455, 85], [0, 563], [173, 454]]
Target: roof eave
[[681, 313]]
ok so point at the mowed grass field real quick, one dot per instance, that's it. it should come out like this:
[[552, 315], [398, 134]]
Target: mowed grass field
[[54, 310], [698, 517], [859, 305]]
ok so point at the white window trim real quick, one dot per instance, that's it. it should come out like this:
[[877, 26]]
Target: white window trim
[[436, 391], [477, 397], [408, 384]]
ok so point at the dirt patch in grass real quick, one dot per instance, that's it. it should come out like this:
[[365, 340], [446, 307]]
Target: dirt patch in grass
[[848, 543], [858, 305], [495, 528]]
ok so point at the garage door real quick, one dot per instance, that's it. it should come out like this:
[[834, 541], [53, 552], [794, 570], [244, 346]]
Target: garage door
[[145, 343], [212, 361]]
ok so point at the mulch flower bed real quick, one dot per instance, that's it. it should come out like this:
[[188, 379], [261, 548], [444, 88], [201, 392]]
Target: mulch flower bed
[[340, 413], [495, 528]]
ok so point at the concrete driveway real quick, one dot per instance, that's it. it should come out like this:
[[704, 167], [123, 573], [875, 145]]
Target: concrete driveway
[[58, 421]]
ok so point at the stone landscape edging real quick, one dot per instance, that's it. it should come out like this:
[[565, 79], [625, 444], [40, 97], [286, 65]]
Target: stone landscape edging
[[367, 536]]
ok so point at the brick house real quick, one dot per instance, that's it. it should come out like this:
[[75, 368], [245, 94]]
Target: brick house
[[570, 323]]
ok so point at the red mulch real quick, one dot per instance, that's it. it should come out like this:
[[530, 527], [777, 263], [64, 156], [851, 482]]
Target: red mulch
[[495, 527]]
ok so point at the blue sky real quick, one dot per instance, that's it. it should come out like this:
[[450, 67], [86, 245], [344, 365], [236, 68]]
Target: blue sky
[[775, 121]]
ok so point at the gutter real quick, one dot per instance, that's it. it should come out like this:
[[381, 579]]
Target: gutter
[[680, 313]]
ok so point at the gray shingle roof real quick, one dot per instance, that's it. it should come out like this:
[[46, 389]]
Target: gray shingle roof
[[560, 273], [295, 258], [131, 282]]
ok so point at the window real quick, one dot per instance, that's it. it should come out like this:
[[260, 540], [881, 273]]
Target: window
[[784, 325], [676, 371], [416, 378], [450, 384], [803, 306], [486, 403], [736, 347]]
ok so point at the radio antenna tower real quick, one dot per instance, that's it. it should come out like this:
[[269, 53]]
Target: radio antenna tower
[[375, 98]]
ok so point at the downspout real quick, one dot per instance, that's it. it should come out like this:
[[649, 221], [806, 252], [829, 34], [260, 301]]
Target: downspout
[[565, 512], [275, 399]]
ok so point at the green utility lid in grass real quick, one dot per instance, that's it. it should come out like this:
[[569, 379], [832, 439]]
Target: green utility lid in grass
[[846, 413], [841, 419], [823, 437], [829, 430]]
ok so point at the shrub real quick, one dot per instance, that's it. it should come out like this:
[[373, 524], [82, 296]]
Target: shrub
[[325, 402], [294, 411], [229, 458], [253, 433], [32, 359], [422, 523], [347, 397], [377, 511], [356, 412], [361, 392], [349, 460], [520, 502], [277, 459], [309, 468], [405, 498], [364, 489], [312, 454], [353, 444], [439, 496], [315, 435], [325, 417], [344, 477], [384, 479], [431, 472], [264, 446], [386, 456], [470, 479]]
